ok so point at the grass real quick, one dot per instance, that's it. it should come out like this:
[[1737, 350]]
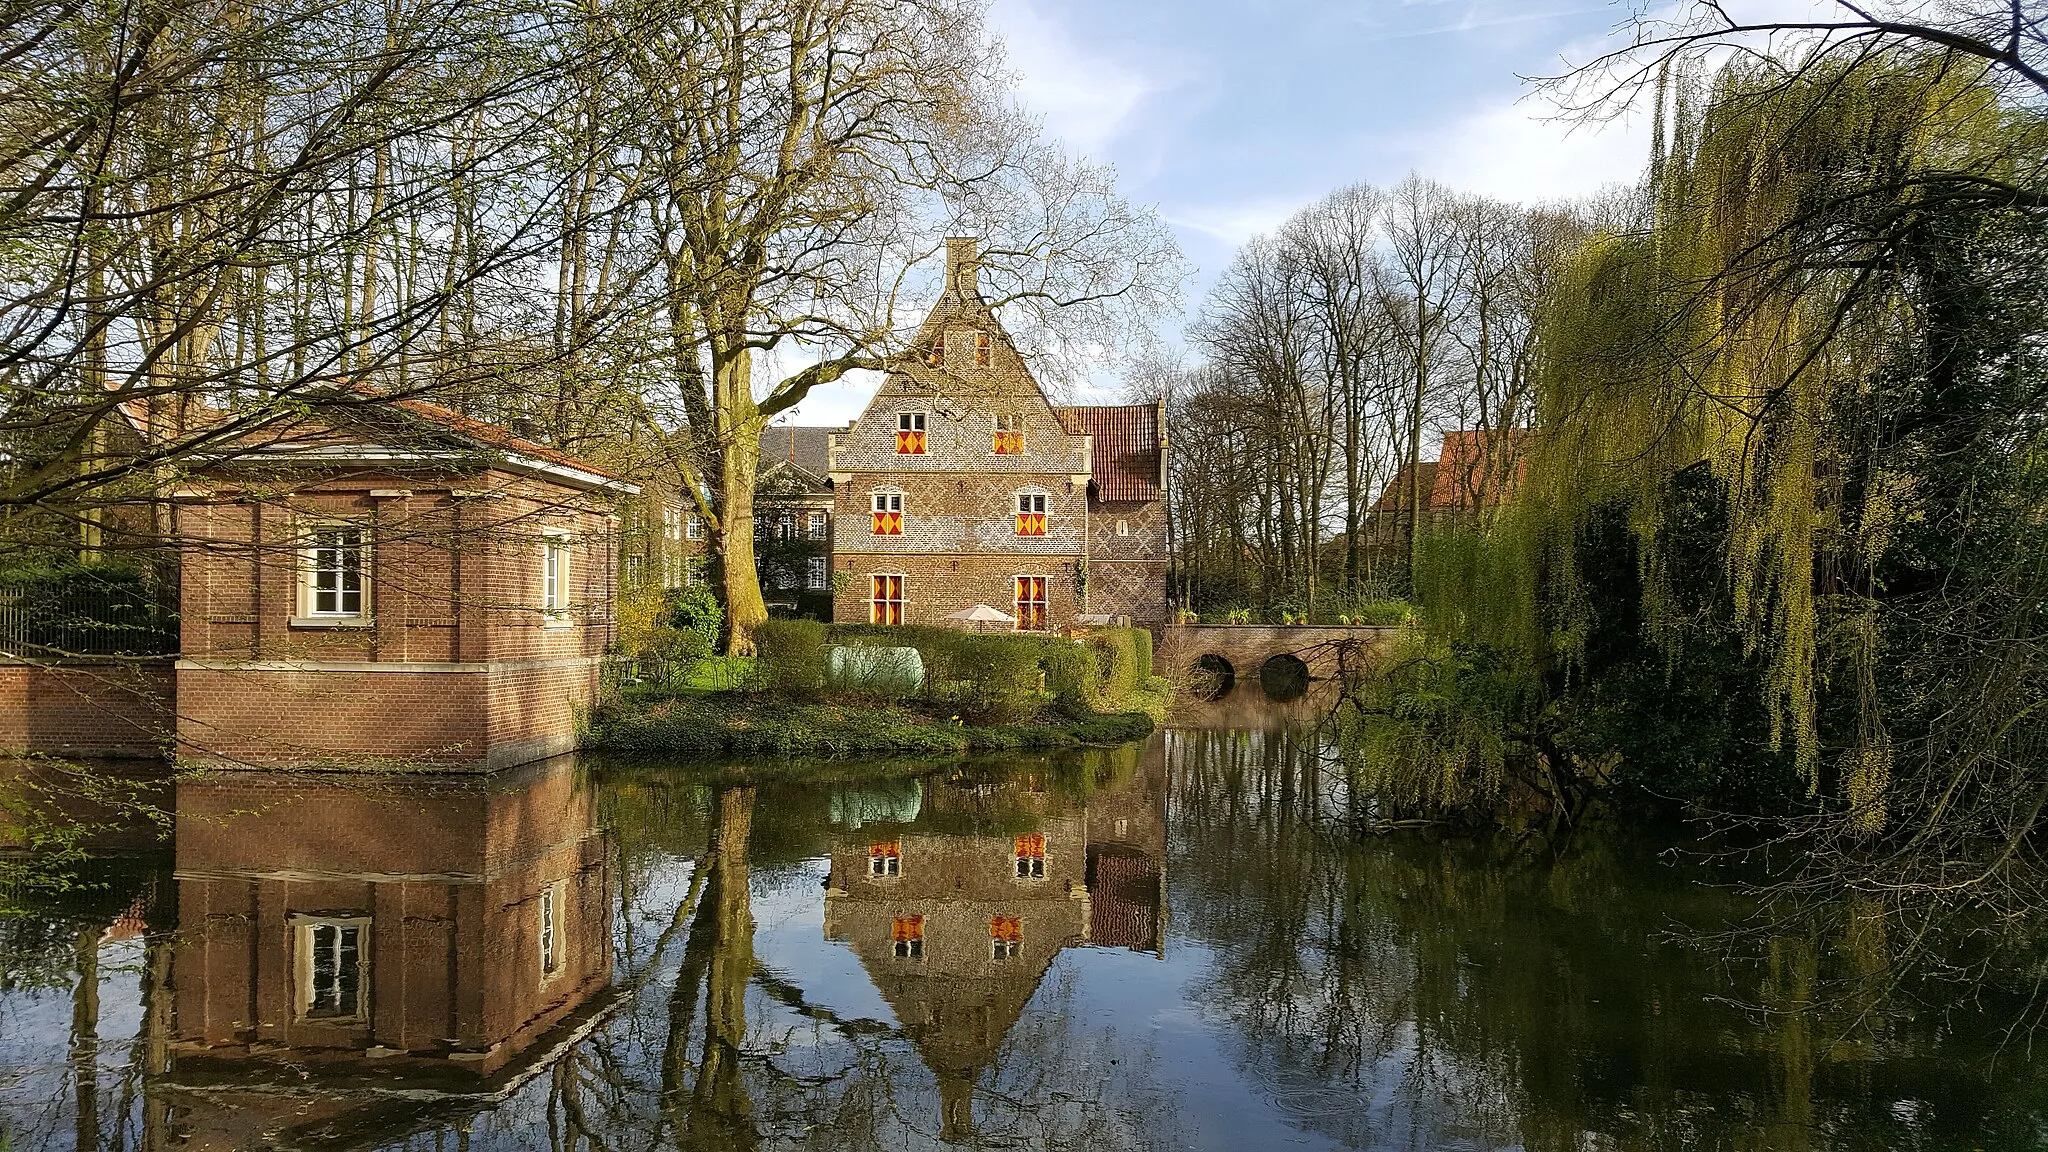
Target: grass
[[723, 724]]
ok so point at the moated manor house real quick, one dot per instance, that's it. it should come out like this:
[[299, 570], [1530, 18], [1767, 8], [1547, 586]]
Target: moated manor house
[[392, 582], [961, 484]]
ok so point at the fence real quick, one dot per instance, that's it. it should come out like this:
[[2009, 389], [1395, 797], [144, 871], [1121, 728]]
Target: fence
[[86, 613]]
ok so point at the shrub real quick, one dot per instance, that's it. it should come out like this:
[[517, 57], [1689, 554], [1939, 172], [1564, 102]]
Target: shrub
[[1125, 655], [790, 655], [1073, 672], [695, 614]]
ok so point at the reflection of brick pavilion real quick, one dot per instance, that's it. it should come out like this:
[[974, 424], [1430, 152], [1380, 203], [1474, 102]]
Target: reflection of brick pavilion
[[957, 928], [350, 954]]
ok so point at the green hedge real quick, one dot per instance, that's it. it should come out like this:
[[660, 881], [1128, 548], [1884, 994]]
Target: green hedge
[[983, 678], [737, 725], [791, 656]]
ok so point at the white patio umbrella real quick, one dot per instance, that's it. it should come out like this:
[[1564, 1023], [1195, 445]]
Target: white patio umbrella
[[981, 615]]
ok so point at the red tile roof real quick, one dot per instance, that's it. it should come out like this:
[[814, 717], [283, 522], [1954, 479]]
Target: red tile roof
[[1479, 467], [1475, 468], [496, 437], [1394, 497], [1126, 448]]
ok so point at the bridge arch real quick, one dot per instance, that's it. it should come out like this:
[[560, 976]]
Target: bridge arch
[[1312, 652]]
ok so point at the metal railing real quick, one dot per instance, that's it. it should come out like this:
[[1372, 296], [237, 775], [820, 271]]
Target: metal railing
[[81, 616]]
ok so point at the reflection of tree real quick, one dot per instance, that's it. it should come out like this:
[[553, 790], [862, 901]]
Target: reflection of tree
[[708, 1104], [1400, 993]]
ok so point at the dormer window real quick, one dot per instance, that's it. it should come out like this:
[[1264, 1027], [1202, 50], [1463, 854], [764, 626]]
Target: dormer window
[[888, 512], [984, 350], [1030, 513], [1009, 439], [910, 433]]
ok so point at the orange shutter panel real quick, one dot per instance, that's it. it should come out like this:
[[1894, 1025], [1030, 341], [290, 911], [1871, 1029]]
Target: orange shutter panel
[[909, 443], [1008, 929], [1031, 846], [1030, 523], [906, 928], [888, 524], [1009, 443]]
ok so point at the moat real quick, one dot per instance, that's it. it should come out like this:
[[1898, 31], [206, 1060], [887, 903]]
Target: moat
[[1177, 944]]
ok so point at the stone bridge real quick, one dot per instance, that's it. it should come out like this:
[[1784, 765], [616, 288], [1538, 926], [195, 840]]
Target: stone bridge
[[1278, 659]]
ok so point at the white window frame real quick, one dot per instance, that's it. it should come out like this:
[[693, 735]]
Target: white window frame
[[912, 949], [885, 500], [1031, 502], [304, 930], [310, 570], [902, 600], [1045, 605], [912, 422], [817, 573], [818, 526], [1010, 422], [548, 932], [693, 526], [555, 569]]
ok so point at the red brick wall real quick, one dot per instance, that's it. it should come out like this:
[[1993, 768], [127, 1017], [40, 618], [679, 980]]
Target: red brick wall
[[455, 664], [86, 708], [465, 717], [935, 586]]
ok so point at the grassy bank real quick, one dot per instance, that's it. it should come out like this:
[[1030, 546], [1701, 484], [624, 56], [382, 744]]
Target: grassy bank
[[734, 724], [803, 696]]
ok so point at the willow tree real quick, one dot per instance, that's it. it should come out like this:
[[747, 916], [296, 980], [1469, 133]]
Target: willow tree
[[1831, 306]]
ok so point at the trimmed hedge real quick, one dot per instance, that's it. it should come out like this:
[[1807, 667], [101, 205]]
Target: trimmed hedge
[[727, 725], [791, 657], [986, 678]]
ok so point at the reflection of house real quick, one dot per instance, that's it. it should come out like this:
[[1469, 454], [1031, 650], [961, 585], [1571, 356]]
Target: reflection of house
[[957, 927], [961, 484], [339, 941]]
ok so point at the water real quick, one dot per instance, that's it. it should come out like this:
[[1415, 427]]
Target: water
[[1173, 945]]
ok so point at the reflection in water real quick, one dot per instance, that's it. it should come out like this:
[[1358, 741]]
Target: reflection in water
[[350, 954], [1173, 945]]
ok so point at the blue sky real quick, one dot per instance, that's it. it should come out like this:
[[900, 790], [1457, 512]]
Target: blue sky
[[1228, 115]]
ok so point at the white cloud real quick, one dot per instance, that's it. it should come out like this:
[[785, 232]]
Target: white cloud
[[1086, 98], [1522, 150], [1233, 224], [1517, 151]]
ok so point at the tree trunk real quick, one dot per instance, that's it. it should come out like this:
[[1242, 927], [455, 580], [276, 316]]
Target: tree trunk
[[739, 451]]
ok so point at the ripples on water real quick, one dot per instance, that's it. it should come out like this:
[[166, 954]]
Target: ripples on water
[[1173, 945]]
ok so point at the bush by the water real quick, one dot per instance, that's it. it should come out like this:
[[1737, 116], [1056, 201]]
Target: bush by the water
[[843, 689], [735, 725]]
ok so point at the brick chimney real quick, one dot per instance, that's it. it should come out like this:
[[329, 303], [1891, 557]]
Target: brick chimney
[[963, 264]]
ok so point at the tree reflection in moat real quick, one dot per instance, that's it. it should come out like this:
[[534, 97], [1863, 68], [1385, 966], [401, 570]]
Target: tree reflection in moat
[[727, 976], [1422, 994]]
